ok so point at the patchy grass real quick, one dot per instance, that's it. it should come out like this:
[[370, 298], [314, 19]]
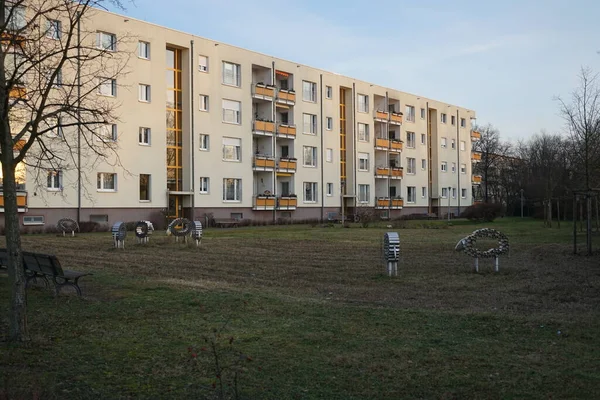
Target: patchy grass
[[319, 319]]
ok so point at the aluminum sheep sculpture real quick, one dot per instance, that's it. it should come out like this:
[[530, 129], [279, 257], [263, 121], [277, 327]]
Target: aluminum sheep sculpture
[[467, 245]]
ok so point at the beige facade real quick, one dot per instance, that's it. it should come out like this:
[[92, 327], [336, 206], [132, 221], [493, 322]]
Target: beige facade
[[261, 138]]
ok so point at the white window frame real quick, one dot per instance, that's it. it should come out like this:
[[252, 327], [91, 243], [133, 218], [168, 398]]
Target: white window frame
[[311, 124], [230, 148], [100, 184], [363, 132], [443, 118], [54, 180], [309, 91], [422, 113], [53, 29], [463, 168], [144, 136], [237, 190], [235, 78], [107, 133], [444, 142], [145, 93], [411, 140], [423, 138], [463, 193], [444, 166], [329, 155], [107, 83], [204, 185], [329, 123], [423, 192], [453, 144], [148, 190], [30, 220], [309, 163], [444, 190], [453, 120], [204, 141], [328, 92], [235, 113], [329, 189], [411, 165], [453, 167], [18, 19], [100, 35], [453, 193], [364, 193], [463, 145], [423, 164], [363, 162], [313, 190], [203, 102], [410, 113], [203, 67], [144, 50], [463, 123], [411, 194], [362, 103], [57, 131]]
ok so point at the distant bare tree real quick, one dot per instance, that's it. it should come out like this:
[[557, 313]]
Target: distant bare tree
[[492, 151], [52, 68]]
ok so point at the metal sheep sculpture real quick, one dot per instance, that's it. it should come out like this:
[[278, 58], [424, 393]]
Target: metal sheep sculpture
[[467, 245]]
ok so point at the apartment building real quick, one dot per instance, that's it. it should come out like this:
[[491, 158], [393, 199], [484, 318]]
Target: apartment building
[[209, 128]]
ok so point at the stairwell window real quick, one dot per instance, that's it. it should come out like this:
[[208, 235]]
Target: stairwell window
[[444, 166], [232, 190], [453, 120], [463, 145], [232, 111], [54, 180], [144, 136], [232, 149], [422, 113], [453, 167], [463, 123], [310, 156], [444, 193], [328, 92], [309, 124], [363, 103], [106, 41], [423, 164], [144, 92], [410, 113], [444, 142], [364, 193], [106, 182], [203, 102], [329, 189], [463, 168], [232, 74], [144, 50], [410, 140], [363, 132], [204, 185], [453, 193], [329, 124], [443, 118], [204, 142], [309, 91], [411, 166], [453, 144], [329, 155], [53, 29], [202, 63], [363, 161], [411, 194], [423, 138], [144, 187], [423, 192], [310, 192], [463, 193]]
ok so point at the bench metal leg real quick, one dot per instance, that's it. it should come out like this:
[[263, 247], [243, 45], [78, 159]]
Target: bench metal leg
[[59, 285], [34, 278]]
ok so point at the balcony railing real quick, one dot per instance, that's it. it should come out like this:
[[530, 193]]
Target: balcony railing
[[395, 203], [396, 118], [286, 96], [476, 156], [263, 128], [397, 172], [382, 172], [382, 115], [287, 164], [263, 163], [475, 135], [396, 146], [286, 131], [17, 92], [264, 202], [476, 179], [287, 203], [264, 92], [21, 201], [381, 143]]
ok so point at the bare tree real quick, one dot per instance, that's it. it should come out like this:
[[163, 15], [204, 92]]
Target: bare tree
[[52, 68], [492, 151]]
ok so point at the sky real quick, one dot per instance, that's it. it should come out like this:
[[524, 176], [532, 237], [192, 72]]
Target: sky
[[507, 60]]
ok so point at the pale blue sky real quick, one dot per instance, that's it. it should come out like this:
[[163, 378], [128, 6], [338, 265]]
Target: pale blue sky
[[506, 59]]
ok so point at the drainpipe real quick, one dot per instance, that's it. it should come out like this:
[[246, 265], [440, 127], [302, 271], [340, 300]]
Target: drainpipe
[[322, 144], [192, 128]]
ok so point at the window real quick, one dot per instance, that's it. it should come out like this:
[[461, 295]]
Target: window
[[33, 220], [330, 189], [232, 111], [411, 194], [285, 151], [410, 113], [329, 124], [363, 103], [107, 182], [410, 165], [364, 193], [144, 93], [329, 155], [444, 192], [453, 120], [423, 163], [328, 92], [58, 78], [363, 161], [55, 126], [106, 41], [453, 144], [410, 140], [144, 187], [463, 193], [17, 20], [107, 133], [53, 29], [444, 166], [422, 113], [144, 136], [463, 122], [232, 189], [453, 193], [203, 63], [54, 180], [309, 91], [453, 167], [231, 74], [204, 142], [309, 124], [310, 192], [203, 103], [423, 192], [463, 145], [363, 132], [144, 50], [232, 149], [204, 185], [107, 86], [463, 168], [99, 218], [443, 118], [236, 216], [310, 156], [423, 138], [444, 142]]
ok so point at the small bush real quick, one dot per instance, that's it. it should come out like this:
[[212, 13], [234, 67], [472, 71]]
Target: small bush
[[482, 212], [91, 226]]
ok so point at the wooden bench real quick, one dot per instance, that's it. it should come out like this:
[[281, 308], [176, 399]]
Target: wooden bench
[[39, 265], [226, 223]]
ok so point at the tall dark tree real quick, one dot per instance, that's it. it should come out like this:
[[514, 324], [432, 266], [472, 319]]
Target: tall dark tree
[[492, 151]]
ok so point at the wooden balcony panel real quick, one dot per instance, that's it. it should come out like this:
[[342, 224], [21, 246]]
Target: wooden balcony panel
[[382, 143], [264, 91], [396, 118], [382, 115], [396, 146], [383, 171]]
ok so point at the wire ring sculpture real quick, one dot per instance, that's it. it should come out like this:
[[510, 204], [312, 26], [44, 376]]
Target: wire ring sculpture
[[180, 227], [67, 225], [119, 233], [468, 245]]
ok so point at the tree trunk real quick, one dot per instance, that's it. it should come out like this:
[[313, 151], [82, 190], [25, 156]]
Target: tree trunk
[[558, 212], [574, 224], [597, 216], [16, 272], [588, 209], [580, 216]]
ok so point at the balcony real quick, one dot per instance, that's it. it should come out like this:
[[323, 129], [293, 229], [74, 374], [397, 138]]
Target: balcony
[[287, 203], [396, 146], [21, 201], [286, 131], [382, 144], [286, 166], [475, 135], [264, 203], [263, 92], [397, 173], [263, 128], [382, 116], [285, 96], [382, 172], [476, 179], [263, 163], [475, 157], [395, 203], [17, 92], [396, 118]]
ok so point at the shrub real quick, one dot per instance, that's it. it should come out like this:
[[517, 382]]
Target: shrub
[[482, 212]]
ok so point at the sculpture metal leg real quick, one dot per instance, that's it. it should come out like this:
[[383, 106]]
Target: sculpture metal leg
[[476, 264]]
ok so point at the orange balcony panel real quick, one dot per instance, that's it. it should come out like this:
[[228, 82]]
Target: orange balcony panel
[[287, 96], [383, 202], [264, 201], [287, 164], [288, 202], [381, 115], [19, 145], [396, 118], [264, 126], [287, 130], [476, 178], [17, 92], [475, 135], [382, 143], [21, 200], [264, 91], [397, 172], [383, 171], [476, 156], [264, 162], [397, 203], [396, 146]]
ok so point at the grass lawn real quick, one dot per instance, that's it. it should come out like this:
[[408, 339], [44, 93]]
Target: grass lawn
[[314, 316]]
